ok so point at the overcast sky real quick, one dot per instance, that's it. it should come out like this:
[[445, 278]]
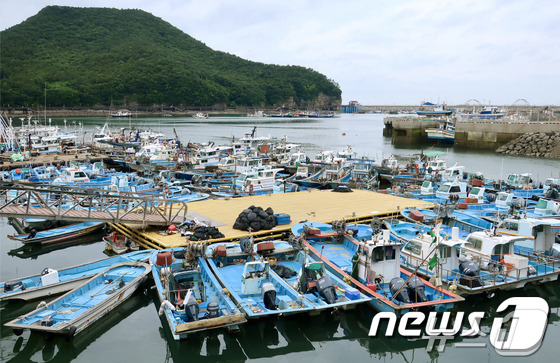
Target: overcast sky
[[379, 52]]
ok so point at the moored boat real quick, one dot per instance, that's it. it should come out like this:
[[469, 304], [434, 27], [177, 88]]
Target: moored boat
[[253, 285], [76, 310], [190, 296], [52, 281], [58, 235], [373, 267], [309, 277], [120, 244]]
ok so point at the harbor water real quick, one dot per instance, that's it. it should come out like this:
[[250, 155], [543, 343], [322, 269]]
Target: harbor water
[[134, 331]]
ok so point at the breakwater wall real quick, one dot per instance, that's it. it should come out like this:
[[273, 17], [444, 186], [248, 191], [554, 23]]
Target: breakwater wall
[[469, 133], [491, 134], [537, 144]]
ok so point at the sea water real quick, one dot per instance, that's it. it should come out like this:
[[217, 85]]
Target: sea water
[[134, 332]]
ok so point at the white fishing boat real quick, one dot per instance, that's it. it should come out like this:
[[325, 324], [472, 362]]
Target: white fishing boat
[[50, 282], [79, 308], [201, 115], [121, 113], [445, 132]]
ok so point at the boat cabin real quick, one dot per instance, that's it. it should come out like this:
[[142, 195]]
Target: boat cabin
[[504, 200], [326, 156], [447, 189], [240, 164], [72, 175], [476, 195], [379, 258], [257, 179], [255, 273], [427, 187], [436, 165], [298, 158], [209, 155], [390, 163], [454, 172], [448, 250], [519, 181], [546, 207]]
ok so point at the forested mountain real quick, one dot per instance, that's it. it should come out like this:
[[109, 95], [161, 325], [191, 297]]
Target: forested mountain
[[99, 56]]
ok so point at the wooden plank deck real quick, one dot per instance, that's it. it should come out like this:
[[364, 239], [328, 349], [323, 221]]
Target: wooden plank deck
[[319, 206]]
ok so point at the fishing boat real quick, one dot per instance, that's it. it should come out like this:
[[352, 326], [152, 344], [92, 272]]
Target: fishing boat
[[58, 235], [307, 276], [120, 244], [191, 299], [201, 115], [444, 133], [253, 285], [79, 308], [373, 267], [121, 114], [51, 282], [483, 262]]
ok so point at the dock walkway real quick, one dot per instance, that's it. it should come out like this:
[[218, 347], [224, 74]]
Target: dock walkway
[[314, 206]]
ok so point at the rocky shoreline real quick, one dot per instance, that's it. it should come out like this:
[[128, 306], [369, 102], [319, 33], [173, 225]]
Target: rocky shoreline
[[536, 144]]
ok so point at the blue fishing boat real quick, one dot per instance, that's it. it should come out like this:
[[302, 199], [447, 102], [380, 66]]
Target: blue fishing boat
[[307, 276], [373, 267], [79, 308], [191, 299], [253, 285], [466, 223], [51, 281], [480, 263], [60, 234]]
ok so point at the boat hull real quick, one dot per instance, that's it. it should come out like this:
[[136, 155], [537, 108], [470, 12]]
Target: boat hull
[[76, 310], [68, 278]]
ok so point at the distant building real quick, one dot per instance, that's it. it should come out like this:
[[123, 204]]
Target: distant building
[[351, 107]]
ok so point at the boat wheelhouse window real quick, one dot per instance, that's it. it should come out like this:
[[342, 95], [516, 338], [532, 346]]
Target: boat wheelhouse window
[[377, 255], [501, 250], [502, 197], [455, 189], [512, 226], [426, 184], [80, 174], [444, 188], [474, 243], [413, 247], [475, 191], [389, 253], [542, 204], [445, 252]]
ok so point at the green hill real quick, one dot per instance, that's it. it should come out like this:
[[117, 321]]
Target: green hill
[[99, 56]]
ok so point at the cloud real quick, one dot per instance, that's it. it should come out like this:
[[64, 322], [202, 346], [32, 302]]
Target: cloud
[[378, 51]]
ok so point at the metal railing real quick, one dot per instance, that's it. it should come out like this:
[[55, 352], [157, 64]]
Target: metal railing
[[61, 203]]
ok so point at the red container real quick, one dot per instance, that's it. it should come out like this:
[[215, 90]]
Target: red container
[[221, 250], [164, 258], [265, 247], [416, 215]]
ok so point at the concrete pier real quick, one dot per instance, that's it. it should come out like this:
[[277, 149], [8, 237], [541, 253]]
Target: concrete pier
[[491, 134], [469, 133]]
